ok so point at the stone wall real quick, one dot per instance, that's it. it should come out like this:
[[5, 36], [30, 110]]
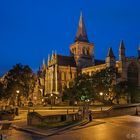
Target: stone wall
[[118, 110], [34, 118]]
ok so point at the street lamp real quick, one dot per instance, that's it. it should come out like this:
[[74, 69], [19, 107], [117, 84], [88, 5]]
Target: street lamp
[[101, 94], [17, 91], [17, 96]]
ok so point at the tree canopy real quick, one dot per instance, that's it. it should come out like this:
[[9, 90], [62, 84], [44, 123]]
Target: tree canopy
[[79, 89], [89, 87], [20, 78]]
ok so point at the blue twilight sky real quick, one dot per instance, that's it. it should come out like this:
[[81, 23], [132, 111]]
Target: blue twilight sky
[[30, 29]]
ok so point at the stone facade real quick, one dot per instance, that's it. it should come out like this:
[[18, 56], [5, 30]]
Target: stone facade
[[60, 70]]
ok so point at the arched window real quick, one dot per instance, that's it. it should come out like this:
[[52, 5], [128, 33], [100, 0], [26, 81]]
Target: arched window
[[83, 50], [62, 76], [132, 74], [87, 51]]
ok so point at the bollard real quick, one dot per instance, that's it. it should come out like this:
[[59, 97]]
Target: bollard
[[16, 111]]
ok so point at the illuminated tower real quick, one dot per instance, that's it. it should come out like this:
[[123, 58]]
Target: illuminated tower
[[82, 49]]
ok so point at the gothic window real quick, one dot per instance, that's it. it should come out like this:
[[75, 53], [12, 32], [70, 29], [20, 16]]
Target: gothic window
[[132, 74], [83, 50], [87, 51], [62, 76], [67, 76], [73, 75]]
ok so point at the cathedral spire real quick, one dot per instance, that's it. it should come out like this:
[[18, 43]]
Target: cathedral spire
[[48, 59], [122, 45], [44, 64], [110, 53], [122, 51], [81, 32]]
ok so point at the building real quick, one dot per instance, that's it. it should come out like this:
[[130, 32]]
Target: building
[[60, 70]]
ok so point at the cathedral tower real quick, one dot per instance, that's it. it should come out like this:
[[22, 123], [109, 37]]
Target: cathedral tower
[[82, 50]]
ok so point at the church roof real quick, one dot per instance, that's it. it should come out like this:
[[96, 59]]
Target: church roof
[[81, 32], [66, 61], [110, 53], [99, 62]]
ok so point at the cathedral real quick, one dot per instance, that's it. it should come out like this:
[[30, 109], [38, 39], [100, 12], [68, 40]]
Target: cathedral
[[60, 69]]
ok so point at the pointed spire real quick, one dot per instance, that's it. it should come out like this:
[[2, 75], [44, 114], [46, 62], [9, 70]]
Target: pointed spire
[[81, 32], [48, 58], [110, 53], [122, 45], [44, 64], [55, 53]]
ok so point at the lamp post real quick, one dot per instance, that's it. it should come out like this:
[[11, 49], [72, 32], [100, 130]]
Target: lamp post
[[51, 100], [17, 97], [101, 94]]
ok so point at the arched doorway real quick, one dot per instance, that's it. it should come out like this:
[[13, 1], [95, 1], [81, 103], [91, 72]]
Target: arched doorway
[[132, 74]]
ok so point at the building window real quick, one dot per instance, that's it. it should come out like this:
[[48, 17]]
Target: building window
[[62, 76], [67, 76], [84, 51], [73, 75], [87, 51]]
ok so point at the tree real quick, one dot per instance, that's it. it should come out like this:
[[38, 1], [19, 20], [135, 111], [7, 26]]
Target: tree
[[88, 87], [19, 78], [79, 90], [103, 81], [121, 90]]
